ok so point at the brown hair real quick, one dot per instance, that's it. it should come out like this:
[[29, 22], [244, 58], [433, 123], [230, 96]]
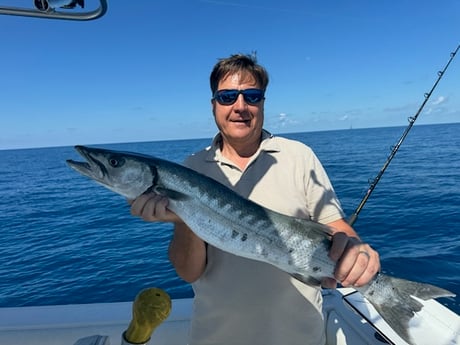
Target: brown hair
[[238, 63]]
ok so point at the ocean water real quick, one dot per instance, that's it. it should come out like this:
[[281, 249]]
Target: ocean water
[[66, 239]]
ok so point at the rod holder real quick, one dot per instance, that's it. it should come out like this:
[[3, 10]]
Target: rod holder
[[151, 307]]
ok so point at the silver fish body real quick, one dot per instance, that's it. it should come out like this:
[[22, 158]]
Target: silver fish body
[[222, 218]]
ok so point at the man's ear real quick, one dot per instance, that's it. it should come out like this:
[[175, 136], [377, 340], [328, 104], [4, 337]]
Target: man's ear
[[213, 103]]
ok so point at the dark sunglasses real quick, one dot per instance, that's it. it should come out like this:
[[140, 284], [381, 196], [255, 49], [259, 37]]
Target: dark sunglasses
[[229, 96]]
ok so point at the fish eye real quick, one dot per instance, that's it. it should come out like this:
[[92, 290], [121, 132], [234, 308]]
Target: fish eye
[[116, 162]]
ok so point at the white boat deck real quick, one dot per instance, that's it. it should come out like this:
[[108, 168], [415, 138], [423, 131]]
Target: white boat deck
[[67, 324]]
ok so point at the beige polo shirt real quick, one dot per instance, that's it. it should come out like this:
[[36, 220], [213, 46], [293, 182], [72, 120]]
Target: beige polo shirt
[[242, 301]]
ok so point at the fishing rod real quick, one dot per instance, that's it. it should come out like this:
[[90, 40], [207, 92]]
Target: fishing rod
[[395, 148]]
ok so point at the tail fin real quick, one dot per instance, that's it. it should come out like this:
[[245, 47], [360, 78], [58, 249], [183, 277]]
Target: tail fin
[[392, 298]]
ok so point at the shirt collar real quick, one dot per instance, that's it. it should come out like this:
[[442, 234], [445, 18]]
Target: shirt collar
[[267, 144]]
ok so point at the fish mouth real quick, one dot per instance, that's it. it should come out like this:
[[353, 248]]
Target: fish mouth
[[92, 168]]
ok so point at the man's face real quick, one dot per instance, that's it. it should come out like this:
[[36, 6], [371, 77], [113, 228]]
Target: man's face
[[241, 121]]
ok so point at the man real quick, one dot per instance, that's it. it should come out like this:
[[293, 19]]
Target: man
[[237, 300]]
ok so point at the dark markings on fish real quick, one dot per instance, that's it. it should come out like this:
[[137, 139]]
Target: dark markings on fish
[[244, 237], [235, 234], [316, 269]]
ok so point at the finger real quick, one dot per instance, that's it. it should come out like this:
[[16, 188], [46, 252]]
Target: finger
[[346, 264], [161, 208], [138, 204], [339, 244], [365, 267], [358, 267], [373, 266], [155, 208]]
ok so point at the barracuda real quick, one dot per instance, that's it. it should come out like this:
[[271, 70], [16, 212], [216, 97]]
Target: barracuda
[[233, 224]]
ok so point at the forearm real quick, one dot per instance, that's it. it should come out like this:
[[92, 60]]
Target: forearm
[[342, 226], [187, 253]]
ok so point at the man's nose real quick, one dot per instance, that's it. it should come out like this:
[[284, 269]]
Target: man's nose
[[240, 102]]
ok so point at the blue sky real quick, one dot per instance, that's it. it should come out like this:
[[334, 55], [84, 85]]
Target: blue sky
[[140, 73]]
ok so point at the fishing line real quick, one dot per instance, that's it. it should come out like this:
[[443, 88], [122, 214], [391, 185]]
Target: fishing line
[[395, 148]]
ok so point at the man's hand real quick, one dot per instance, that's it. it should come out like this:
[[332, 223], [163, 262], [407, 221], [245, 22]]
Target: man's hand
[[153, 207], [357, 262]]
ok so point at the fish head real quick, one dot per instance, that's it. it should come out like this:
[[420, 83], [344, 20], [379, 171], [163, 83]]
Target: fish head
[[124, 173]]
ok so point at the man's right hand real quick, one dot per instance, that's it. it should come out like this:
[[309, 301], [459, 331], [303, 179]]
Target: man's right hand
[[153, 207]]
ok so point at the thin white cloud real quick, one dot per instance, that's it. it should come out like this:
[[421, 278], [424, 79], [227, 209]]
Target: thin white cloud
[[439, 100], [282, 120], [437, 106]]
